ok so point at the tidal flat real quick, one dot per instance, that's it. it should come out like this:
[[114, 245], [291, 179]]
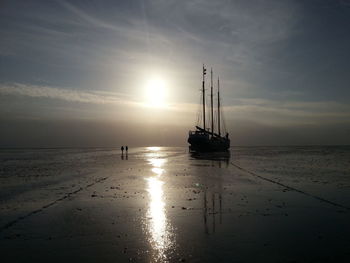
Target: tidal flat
[[164, 204]]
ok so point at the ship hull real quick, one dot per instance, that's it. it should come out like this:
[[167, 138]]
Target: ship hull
[[205, 143]]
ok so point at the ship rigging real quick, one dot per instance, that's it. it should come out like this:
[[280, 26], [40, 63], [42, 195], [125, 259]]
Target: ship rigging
[[205, 139]]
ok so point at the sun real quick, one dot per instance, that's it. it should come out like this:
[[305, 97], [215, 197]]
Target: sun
[[156, 92]]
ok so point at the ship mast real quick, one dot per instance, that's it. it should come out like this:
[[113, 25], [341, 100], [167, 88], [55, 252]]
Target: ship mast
[[203, 90], [211, 101], [219, 107]]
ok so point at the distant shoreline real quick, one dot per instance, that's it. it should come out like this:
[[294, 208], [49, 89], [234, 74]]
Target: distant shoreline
[[118, 146]]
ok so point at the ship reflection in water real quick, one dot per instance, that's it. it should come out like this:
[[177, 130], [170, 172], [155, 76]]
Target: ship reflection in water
[[212, 190], [219, 159], [158, 227]]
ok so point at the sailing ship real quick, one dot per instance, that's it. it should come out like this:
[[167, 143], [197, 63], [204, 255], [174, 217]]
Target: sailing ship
[[205, 139]]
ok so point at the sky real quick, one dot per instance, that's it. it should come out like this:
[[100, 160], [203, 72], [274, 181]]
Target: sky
[[109, 73]]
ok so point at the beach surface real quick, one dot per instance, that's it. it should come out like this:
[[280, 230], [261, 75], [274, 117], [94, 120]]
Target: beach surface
[[162, 204]]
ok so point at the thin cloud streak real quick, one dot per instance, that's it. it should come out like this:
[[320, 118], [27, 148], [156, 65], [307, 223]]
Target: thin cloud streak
[[290, 112], [97, 97], [92, 97]]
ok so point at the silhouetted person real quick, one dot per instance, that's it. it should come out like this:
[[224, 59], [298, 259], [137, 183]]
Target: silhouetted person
[[122, 149], [126, 149]]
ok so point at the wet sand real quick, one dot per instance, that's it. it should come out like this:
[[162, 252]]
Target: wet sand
[[277, 204]]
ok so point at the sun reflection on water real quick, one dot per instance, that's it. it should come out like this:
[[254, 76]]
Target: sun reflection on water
[[158, 171], [157, 162], [155, 149], [160, 234]]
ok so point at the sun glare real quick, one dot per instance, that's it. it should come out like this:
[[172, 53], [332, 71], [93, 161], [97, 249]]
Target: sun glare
[[155, 93]]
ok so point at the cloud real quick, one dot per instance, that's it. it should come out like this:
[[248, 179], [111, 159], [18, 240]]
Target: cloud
[[289, 112], [265, 111], [95, 36], [93, 97], [88, 18], [96, 97]]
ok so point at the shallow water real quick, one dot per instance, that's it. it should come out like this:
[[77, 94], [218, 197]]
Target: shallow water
[[158, 204]]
